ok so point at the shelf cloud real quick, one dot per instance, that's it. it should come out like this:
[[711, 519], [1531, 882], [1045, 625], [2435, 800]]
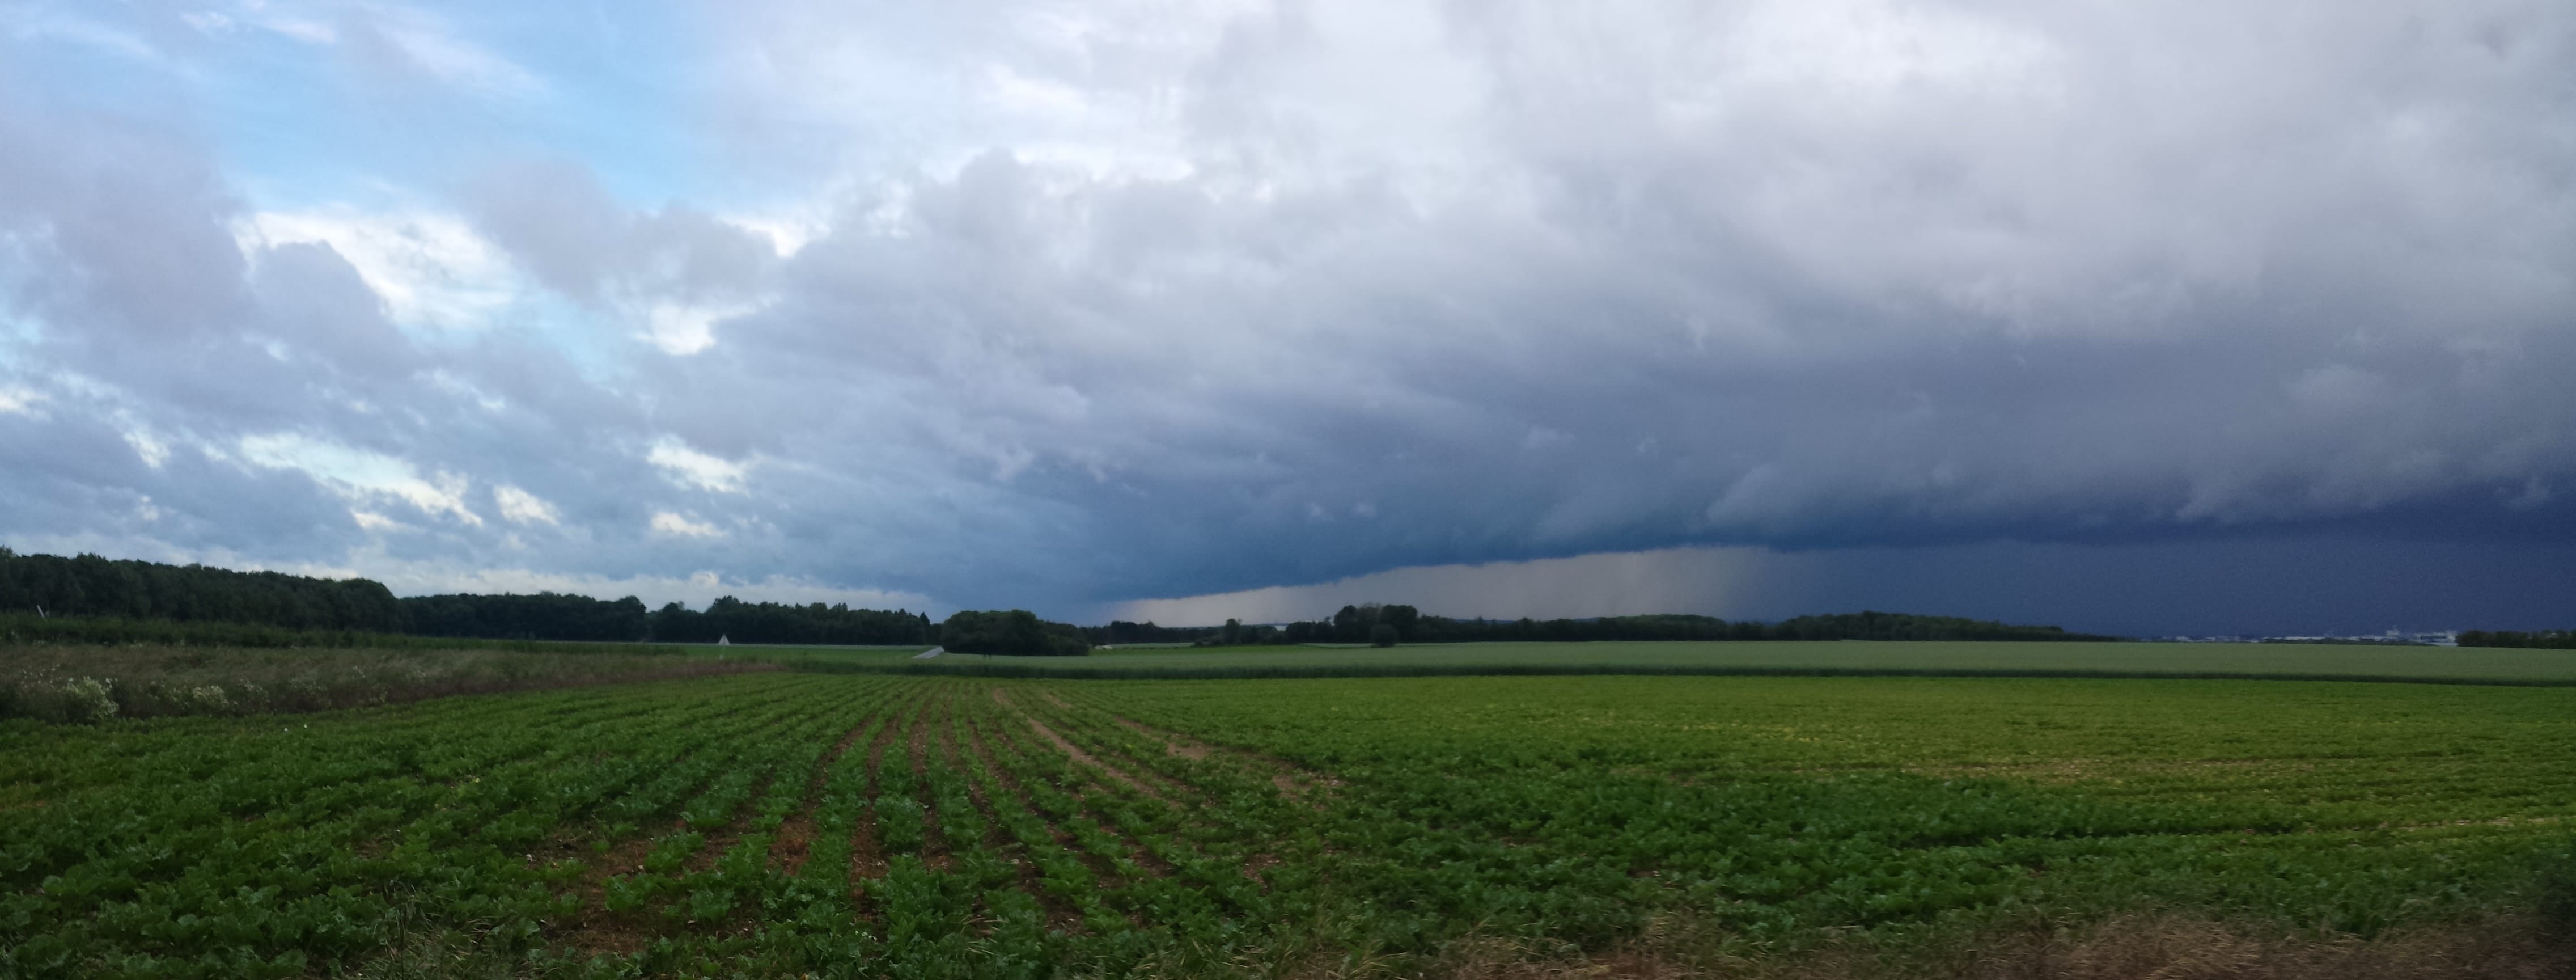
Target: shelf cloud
[[1075, 307]]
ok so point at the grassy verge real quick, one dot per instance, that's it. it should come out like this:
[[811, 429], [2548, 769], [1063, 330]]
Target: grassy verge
[[73, 683]]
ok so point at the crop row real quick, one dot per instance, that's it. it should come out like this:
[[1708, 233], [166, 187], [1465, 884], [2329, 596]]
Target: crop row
[[908, 826]]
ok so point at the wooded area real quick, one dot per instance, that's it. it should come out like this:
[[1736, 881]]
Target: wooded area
[[133, 601], [1358, 624], [2542, 639]]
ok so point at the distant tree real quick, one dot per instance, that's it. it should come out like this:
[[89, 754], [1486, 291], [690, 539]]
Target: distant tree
[[1232, 633], [92, 586], [1403, 618], [1354, 623], [1010, 633], [1382, 635]]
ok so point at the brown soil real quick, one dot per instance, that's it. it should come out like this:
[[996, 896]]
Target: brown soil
[[1109, 876], [596, 929], [867, 860], [1289, 778], [796, 837], [934, 848], [1076, 753], [1172, 744], [2145, 947], [1058, 916]]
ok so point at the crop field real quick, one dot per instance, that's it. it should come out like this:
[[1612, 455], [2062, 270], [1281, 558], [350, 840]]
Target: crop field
[[898, 825], [2275, 660]]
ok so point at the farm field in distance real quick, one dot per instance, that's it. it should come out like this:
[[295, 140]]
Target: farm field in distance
[[782, 823], [2487, 664]]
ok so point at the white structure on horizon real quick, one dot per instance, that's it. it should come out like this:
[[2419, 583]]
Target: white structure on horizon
[[724, 639]]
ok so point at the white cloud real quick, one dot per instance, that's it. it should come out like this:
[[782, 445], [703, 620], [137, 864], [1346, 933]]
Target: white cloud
[[19, 401], [432, 269], [148, 447], [358, 474], [667, 522], [521, 507], [433, 46], [689, 467], [307, 31], [27, 25], [681, 329]]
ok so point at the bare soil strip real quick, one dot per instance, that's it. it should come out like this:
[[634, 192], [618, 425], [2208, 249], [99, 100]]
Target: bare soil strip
[[1172, 744], [1289, 778], [1098, 863], [867, 859], [934, 848], [796, 837], [723, 840], [1058, 916], [1076, 753]]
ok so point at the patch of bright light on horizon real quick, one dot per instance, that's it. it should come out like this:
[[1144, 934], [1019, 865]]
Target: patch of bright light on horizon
[[1673, 580]]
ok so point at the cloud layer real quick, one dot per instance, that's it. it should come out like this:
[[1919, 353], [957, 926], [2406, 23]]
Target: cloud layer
[[1066, 306]]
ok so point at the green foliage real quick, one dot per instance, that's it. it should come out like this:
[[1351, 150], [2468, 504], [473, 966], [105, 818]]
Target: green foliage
[[91, 586], [772, 622], [544, 616], [791, 824], [2544, 639], [89, 599], [1382, 635], [2557, 890], [1784, 659], [1014, 633]]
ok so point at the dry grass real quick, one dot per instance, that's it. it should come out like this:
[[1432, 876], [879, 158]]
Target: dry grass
[[96, 683], [2140, 947]]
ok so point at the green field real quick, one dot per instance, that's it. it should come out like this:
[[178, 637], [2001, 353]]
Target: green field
[[874, 825], [2185, 659]]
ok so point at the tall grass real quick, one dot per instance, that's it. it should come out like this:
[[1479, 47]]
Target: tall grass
[[78, 683]]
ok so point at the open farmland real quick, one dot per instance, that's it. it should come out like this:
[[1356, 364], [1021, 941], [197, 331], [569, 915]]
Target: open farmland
[[2267, 660], [897, 825]]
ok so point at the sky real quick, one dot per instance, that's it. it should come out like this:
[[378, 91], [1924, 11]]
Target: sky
[[2149, 318]]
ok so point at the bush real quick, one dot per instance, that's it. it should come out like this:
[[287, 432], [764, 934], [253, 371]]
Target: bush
[[1011, 633], [1382, 635], [2558, 891]]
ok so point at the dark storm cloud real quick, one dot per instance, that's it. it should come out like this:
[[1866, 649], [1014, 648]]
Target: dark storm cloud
[[1174, 308]]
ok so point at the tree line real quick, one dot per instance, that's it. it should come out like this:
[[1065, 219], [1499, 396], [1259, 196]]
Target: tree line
[[555, 616], [98, 598], [93, 587], [2545, 639], [1011, 632], [1387, 624]]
